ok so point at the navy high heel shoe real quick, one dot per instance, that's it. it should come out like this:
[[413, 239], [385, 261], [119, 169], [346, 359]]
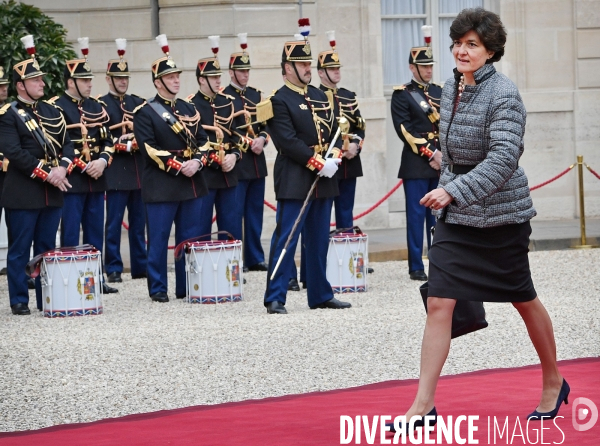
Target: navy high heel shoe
[[563, 395], [418, 422]]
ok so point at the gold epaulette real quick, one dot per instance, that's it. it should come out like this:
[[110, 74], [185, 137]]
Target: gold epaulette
[[253, 88], [399, 87], [135, 110], [4, 108], [51, 101], [139, 97], [264, 110], [190, 97], [99, 101], [228, 96]]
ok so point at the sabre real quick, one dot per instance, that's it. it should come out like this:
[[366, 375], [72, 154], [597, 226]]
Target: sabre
[[342, 122]]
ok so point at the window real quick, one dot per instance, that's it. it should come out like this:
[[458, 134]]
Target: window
[[401, 22]]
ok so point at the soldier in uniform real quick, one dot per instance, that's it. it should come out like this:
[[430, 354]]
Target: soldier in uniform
[[217, 116], [35, 140], [252, 167], [172, 142], [415, 115], [344, 104], [87, 122], [124, 177], [302, 125]]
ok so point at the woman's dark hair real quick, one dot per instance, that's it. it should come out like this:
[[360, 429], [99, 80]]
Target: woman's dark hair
[[488, 27]]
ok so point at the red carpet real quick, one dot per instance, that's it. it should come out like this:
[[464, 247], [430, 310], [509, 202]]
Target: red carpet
[[314, 419]]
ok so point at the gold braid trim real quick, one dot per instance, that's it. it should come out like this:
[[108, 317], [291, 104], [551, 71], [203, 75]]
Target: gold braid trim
[[412, 141], [154, 154]]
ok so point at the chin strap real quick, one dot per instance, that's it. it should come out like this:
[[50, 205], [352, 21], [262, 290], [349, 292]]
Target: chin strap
[[236, 79], [333, 83], [298, 75], [26, 91], [210, 87], [77, 88], [420, 76], [164, 85], [116, 90]]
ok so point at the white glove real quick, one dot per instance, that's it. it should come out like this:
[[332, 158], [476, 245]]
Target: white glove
[[330, 167]]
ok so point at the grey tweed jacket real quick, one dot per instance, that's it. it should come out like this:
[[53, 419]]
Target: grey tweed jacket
[[486, 130]]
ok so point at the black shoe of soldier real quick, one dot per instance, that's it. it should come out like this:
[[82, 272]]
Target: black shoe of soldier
[[114, 277], [333, 303], [108, 289], [293, 285], [262, 266], [20, 309], [160, 297], [276, 307], [418, 275]]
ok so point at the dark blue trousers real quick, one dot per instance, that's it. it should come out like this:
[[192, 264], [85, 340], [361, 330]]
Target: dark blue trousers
[[85, 210], [250, 202], [344, 207], [228, 217], [26, 226], [344, 203], [160, 218], [116, 202], [417, 217], [315, 223], [302, 261]]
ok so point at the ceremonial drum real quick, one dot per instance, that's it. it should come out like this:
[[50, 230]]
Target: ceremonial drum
[[71, 283], [214, 271], [347, 261]]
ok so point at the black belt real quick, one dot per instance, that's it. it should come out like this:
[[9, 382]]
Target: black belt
[[461, 169]]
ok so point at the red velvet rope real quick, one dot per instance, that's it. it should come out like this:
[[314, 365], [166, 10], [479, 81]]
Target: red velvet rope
[[376, 205], [592, 171], [395, 188], [362, 214], [269, 205], [564, 172]]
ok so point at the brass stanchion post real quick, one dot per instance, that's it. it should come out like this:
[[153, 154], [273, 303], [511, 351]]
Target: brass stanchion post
[[583, 240]]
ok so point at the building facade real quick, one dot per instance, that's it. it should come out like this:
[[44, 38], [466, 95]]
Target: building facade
[[552, 55]]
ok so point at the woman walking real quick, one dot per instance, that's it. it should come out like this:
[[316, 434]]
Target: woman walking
[[480, 247]]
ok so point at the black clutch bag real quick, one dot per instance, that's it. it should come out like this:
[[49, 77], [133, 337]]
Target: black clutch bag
[[468, 315]]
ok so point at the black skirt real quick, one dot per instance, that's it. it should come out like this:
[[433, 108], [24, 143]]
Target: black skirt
[[481, 264]]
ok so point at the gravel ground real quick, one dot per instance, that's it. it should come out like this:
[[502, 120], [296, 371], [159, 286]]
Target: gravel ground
[[141, 356]]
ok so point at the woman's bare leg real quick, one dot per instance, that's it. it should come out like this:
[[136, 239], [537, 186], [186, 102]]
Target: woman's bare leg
[[434, 351], [541, 333]]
